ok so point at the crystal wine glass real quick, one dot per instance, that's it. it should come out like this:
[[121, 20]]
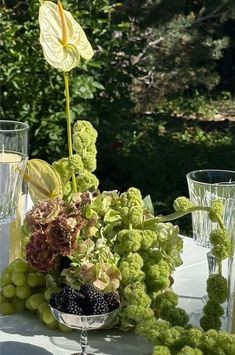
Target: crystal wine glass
[[204, 187], [13, 160], [84, 323]]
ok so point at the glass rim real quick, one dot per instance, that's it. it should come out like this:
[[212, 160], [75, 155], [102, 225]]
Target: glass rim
[[232, 184], [24, 126], [22, 155]]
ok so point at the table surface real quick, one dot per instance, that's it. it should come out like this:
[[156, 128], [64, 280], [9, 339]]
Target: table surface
[[24, 334]]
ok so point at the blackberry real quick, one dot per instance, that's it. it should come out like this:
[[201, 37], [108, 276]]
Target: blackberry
[[53, 300], [81, 299], [68, 300], [69, 292], [98, 308], [90, 292], [112, 299], [73, 308], [57, 301]]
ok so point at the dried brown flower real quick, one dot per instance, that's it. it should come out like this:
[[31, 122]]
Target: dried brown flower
[[43, 213], [39, 253], [62, 233]]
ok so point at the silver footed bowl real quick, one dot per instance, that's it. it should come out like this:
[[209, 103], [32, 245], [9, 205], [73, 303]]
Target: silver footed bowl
[[84, 322]]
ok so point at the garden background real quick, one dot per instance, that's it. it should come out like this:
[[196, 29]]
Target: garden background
[[159, 90]]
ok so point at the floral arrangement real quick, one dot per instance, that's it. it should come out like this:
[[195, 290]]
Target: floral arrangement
[[75, 234]]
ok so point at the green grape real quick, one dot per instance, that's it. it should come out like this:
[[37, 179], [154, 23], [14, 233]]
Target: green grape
[[2, 299], [32, 279], [53, 325], [64, 328], [48, 317], [9, 291], [35, 300], [49, 292], [20, 265], [41, 279], [7, 308], [10, 268], [43, 306], [28, 305], [5, 279], [23, 292], [18, 278], [18, 303], [35, 279]]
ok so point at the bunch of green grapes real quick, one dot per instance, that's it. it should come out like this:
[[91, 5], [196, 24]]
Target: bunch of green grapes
[[18, 283], [23, 288]]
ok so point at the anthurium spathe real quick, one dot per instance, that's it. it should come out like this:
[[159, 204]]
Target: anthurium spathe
[[62, 38]]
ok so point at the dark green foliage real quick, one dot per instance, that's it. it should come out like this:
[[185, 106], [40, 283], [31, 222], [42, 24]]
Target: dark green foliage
[[159, 150], [185, 41]]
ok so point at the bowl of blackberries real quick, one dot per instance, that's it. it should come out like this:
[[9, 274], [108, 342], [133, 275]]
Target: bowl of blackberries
[[86, 308]]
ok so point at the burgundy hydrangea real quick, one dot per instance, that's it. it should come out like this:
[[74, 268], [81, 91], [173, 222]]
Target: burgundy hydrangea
[[43, 213], [39, 253], [62, 233], [55, 228]]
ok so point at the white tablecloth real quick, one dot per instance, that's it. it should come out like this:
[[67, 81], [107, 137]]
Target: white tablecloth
[[23, 334]]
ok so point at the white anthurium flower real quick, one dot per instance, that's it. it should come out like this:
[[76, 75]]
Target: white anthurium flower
[[62, 38]]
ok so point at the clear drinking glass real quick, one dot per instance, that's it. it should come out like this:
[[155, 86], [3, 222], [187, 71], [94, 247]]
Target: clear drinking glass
[[13, 160], [204, 187]]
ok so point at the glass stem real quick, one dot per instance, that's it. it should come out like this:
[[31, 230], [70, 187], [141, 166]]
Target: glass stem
[[84, 342]]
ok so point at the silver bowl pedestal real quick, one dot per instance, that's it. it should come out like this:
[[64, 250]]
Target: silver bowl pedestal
[[84, 323]]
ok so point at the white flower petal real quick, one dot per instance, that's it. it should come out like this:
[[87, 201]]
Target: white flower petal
[[62, 57], [78, 38]]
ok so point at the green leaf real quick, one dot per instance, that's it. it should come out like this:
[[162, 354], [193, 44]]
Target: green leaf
[[148, 204]]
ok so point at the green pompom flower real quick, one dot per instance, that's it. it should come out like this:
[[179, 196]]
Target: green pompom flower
[[210, 322], [213, 309], [87, 181], [217, 210], [217, 236], [182, 204], [175, 315], [161, 350], [187, 350], [217, 288]]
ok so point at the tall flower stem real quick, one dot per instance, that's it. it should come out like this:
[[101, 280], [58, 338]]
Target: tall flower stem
[[174, 215], [69, 131]]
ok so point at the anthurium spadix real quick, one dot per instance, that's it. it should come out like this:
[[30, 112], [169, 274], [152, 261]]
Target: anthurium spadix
[[62, 38]]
